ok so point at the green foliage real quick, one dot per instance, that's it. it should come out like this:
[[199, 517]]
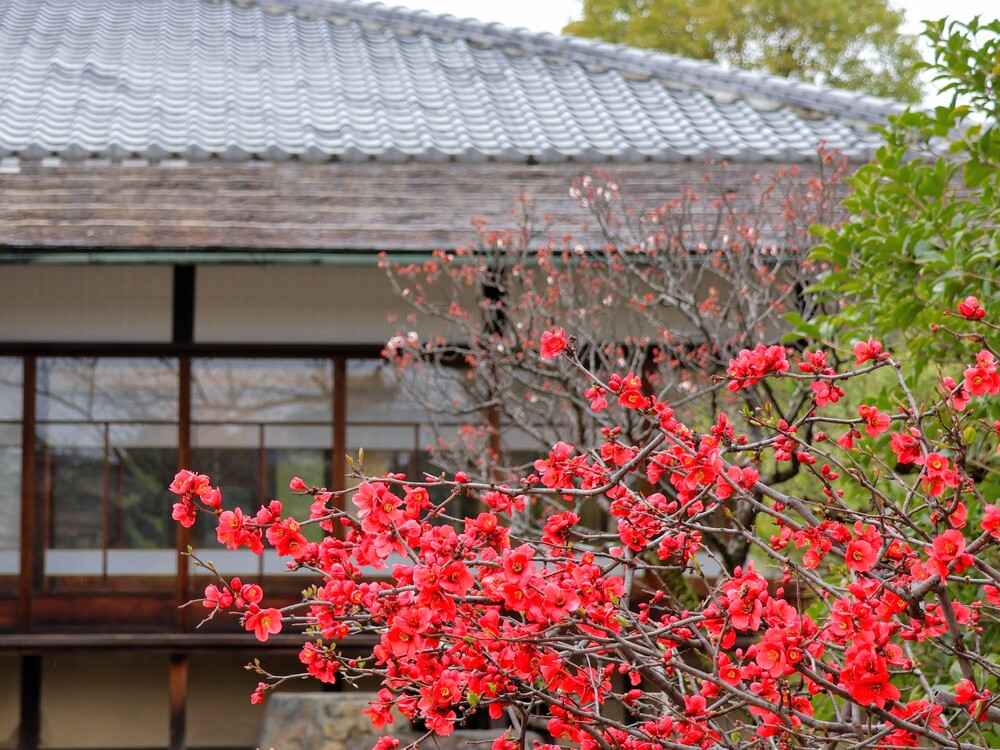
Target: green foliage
[[852, 44], [923, 232]]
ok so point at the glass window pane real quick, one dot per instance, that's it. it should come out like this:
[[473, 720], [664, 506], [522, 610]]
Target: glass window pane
[[106, 447], [11, 399], [261, 390], [98, 389], [378, 391], [255, 425]]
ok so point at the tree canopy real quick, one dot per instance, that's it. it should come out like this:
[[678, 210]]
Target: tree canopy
[[852, 44], [925, 211]]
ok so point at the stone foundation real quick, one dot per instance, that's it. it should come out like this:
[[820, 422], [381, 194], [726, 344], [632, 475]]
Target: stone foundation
[[336, 721]]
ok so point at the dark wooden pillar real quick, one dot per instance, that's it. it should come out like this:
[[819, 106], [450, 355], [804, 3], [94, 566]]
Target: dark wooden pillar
[[178, 679], [183, 333], [182, 591], [30, 730], [31, 560], [339, 458]]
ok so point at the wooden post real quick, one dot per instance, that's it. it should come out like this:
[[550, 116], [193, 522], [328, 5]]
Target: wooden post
[[339, 458], [29, 500], [30, 730], [183, 536], [183, 333], [178, 678]]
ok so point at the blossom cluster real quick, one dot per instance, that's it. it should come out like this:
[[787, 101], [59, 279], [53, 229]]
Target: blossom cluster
[[882, 559]]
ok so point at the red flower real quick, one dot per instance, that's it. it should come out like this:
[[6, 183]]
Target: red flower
[[233, 532], [826, 392], [595, 395], [947, 549], [958, 396], [846, 441], [770, 654], [554, 343], [517, 564], [938, 474], [185, 513], [188, 482], [876, 422], [217, 598], [866, 350], [456, 578], [983, 378], [866, 676], [971, 308], [252, 593], [975, 701], [991, 521], [863, 552], [557, 526], [257, 696], [906, 447], [263, 623], [630, 393], [860, 556], [285, 537], [728, 671], [297, 484], [750, 365], [694, 705]]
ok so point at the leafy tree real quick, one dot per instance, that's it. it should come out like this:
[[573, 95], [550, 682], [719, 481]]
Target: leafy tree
[[925, 212], [853, 44]]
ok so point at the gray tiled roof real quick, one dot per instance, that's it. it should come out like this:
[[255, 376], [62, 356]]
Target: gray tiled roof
[[322, 79]]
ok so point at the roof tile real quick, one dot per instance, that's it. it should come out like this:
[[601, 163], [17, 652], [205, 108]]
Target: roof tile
[[322, 79]]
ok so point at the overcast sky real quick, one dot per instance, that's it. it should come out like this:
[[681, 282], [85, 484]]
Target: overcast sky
[[552, 15]]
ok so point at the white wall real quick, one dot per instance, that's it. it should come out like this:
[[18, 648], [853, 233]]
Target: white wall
[[104, 700], [296, 304], [85, 303]]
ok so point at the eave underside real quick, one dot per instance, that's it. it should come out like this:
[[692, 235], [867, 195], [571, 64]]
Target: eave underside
[[306, 213]]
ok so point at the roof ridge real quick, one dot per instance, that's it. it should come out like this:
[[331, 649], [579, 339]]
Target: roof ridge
[[697, 73]]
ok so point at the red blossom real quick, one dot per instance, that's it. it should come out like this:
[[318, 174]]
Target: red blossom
[[971, 308], [263, 623], [868, 350], [751, 365], [991, 521], [983, 378], [876, 422], [553, 343]]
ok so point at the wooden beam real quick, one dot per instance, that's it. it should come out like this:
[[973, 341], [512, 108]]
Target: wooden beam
[[178, 678], [263, 350], [29, 532], [29, 733]]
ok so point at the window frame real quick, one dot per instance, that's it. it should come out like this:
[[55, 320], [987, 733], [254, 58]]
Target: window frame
[[118, 605]]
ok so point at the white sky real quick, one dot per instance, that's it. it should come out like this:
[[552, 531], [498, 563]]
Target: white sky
[[552, 15]]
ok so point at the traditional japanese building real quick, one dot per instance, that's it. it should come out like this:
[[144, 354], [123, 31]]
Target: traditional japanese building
[[192, 196]]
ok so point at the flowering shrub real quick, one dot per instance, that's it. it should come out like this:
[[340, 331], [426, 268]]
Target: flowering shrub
[[662, 297], [670, 291], [884, 554]]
